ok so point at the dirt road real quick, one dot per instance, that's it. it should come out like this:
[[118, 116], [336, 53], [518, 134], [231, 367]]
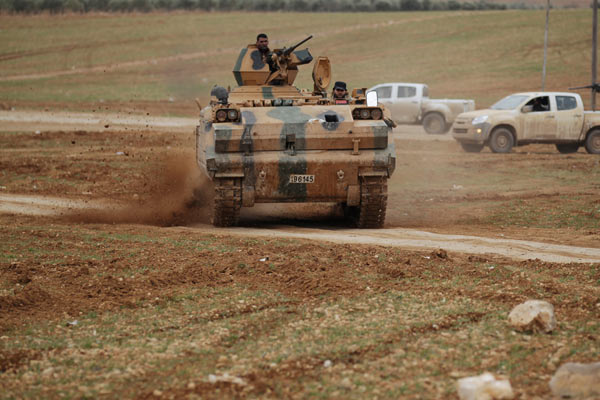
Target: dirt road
[[390, 237], [401, 214], [37, 121]]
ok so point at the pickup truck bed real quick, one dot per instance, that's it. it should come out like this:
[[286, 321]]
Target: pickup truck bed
[[409, 104]]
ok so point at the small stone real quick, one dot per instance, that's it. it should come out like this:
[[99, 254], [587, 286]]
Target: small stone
[[484, 387], [533, 316], [346, 383], [577, 381], [440, 253]]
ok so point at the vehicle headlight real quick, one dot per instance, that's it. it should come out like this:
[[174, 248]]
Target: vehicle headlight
[[479, 120], [232, 115], [376, 113], [221, 115]]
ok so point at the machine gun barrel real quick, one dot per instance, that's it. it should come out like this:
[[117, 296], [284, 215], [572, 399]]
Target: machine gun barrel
[[595, 86], [288, 51]]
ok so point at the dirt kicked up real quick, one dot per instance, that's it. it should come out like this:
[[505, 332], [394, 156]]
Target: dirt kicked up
[[113, 285]]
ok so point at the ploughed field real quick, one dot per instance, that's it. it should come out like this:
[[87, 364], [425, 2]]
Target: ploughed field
[[112, 283]]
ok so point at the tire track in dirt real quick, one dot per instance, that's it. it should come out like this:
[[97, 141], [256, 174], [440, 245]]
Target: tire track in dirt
[[415, 239], [390, 237], [35, 120], [202, 54]]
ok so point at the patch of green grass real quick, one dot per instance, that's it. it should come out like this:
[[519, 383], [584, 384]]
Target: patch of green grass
[[577, 213]]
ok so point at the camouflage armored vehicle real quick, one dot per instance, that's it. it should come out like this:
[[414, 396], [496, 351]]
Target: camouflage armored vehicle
[[266, 141]]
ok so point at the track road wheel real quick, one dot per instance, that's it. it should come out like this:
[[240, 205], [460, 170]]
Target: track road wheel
[[227, 202], [566, 148], [472, 147], [592, 143], [434, 124], [373, 203], [501, 141]]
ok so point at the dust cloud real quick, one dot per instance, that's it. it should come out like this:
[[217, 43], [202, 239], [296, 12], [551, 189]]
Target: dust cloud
[[177, 193], [429, 177]]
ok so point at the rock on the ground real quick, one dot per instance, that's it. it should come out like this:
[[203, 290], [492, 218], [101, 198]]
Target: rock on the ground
[[577, 381], [533, 315], [484, 387]]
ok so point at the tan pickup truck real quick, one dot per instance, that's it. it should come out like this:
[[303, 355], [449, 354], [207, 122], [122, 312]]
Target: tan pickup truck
[[409, 104], [533, 117]]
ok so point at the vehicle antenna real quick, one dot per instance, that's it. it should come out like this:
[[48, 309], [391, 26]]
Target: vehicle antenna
[[545, 46]]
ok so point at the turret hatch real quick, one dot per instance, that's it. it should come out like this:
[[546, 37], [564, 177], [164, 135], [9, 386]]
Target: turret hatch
[[321, 74]]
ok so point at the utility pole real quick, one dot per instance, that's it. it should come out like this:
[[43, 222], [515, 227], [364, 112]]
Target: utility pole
[[594, 52], [546, 45]]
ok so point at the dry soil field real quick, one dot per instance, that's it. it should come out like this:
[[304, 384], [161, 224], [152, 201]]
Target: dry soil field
[[113, 285]]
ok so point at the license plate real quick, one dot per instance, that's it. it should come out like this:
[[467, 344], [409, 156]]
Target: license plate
[[302, 178]]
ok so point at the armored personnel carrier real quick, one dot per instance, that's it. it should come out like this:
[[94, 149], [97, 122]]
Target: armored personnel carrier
[[266, 141]]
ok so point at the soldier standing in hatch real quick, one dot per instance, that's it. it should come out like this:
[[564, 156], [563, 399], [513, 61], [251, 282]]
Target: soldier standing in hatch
[[262, 43], [340, 93]]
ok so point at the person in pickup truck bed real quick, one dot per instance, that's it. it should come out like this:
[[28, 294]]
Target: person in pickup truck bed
[[340, 93]]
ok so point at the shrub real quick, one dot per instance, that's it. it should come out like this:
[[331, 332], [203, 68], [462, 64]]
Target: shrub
[[141, 5], [453, 5], [26, 6], [74, 5], [410, 5], [54, 6], [383, 5], [119, 5], [6, 5]]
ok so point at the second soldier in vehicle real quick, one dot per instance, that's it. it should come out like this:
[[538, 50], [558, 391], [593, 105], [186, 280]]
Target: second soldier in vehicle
[[340, 93]]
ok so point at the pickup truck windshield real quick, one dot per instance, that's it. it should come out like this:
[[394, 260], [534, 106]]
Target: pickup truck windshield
[[509, 103]]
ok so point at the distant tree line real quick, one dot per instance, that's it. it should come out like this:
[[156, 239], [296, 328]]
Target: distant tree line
[[60, 6]]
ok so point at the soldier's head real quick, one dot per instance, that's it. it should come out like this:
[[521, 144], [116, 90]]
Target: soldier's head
[[339, 90], [262, 42]]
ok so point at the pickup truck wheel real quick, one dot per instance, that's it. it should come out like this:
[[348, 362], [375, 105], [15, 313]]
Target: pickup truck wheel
[[567, 148], [592, 143], [472, 147], [501, 141], [434, 124]]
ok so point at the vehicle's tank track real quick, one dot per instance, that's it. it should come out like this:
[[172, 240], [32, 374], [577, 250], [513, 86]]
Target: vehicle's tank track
[[227, 202], [373, 202]]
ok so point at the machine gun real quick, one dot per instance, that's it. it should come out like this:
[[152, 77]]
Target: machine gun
[[285, 59], [595, 88], [287, 51]]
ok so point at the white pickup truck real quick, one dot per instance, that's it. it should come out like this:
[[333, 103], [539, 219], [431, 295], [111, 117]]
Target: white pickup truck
[[409, 104], [532, 117]]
